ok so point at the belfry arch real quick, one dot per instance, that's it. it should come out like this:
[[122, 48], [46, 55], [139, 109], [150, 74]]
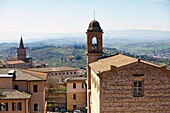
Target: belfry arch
[[94, 44]]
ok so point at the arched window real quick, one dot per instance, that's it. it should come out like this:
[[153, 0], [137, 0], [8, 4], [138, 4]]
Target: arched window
[[94, 43]]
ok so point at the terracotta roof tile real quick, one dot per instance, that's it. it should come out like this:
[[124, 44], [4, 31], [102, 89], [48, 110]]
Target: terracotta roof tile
[[54, 69], [76, 79], [40, 75], [13, 94], [117, 60], [22, 74]]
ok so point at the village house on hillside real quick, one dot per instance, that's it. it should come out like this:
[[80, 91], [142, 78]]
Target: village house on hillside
[[22, 91], [119, 84]]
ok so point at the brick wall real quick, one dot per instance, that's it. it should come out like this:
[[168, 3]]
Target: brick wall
[[117, 90]]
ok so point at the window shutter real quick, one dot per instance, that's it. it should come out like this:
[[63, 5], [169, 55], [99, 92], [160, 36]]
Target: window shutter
[[13, 106], [6, 106], [20, 106], [0, 106]]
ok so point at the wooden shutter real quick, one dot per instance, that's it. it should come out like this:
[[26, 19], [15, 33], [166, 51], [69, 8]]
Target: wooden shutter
[[0, 106], [20, 106], [13, 109], [6, 106]]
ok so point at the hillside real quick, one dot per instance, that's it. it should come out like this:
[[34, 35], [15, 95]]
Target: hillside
[[75, 56]]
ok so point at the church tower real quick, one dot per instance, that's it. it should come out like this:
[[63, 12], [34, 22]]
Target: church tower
[[21, 51], [94, 51]]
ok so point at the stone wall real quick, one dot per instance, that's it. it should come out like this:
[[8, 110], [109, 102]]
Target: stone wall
[[117, 90]]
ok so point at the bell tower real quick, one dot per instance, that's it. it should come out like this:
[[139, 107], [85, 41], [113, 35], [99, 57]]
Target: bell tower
[[94, 52], [21, 51]]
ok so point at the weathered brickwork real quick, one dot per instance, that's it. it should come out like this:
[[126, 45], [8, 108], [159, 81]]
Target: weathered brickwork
[[116, 88]]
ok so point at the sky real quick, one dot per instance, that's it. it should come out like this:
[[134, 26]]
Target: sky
[[71, 16]]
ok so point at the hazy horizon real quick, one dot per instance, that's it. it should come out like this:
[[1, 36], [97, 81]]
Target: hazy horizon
[[65, 17], [125, 34]]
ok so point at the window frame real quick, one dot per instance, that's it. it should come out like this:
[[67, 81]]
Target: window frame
[[16, 106], [35, 91], [74, 107], [74, 85], [36, 103], [4, 106], [138, 89], [74, 97], [82, 85]]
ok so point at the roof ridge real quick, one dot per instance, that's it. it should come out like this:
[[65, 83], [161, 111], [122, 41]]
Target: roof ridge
[[23, 92], [29, 72], [103, 57], [23, 70]]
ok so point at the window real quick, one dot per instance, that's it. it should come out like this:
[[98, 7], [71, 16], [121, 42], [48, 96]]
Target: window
[[35, 88], [67, 73], [70, 72], [55, 73], [3, 106], [137, 88], [16, 87], [74, 72], [35, 106], [74, 107], [59, 73], [63, 73], [83, 85], [74, 85], [16, 106], [74, 96]]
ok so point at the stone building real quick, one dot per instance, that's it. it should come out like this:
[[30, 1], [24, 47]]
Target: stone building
[[76, 94], [120, 84], [22, 91], [21, 61]]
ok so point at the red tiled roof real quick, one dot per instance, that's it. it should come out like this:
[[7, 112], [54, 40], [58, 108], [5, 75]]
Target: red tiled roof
[[34, 73], [117, 60]]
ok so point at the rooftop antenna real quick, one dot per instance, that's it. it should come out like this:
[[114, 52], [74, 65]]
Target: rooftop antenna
[[94, 14]]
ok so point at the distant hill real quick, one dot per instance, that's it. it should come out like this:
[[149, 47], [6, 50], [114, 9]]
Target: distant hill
[[121, 39], [140, 35]]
